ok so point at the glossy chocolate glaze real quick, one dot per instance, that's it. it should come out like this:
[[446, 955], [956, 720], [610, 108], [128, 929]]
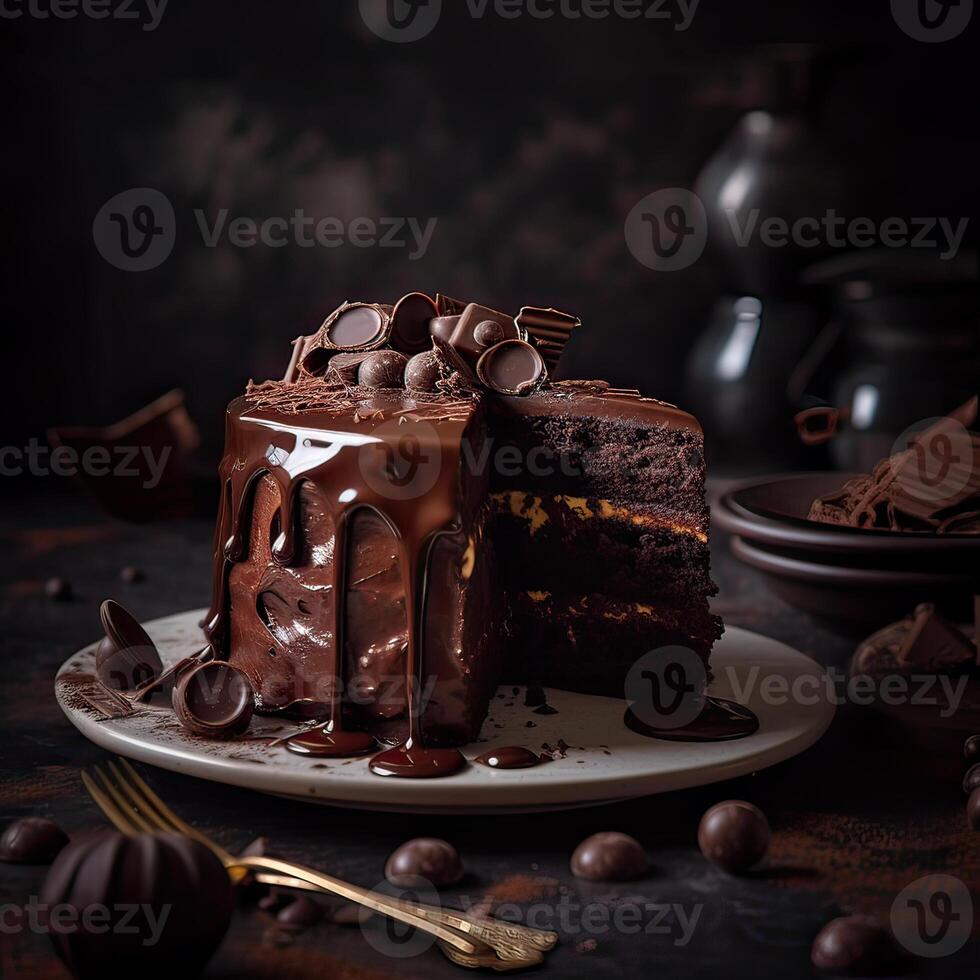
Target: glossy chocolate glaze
[[720, 721], [342, 462], [509, 757]]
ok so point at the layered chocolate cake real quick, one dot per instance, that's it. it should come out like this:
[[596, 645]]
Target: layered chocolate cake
[[419, 496]]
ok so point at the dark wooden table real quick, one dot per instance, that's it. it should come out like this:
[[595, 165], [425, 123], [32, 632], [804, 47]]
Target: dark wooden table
[[855, 819]]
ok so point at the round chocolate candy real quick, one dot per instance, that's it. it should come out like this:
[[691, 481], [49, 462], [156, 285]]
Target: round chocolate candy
[[410, 323], [443, 327], [423, 371], [487, 333], [971, 748], [971, 780], [433, 860], [58, 588], [734, 835], [214, 699], [126, 657], [164, 903], [31, 840], [382, 369], [512, 367], [356, 326], [300, 914], [973, 810], [609, 856], [854, 945]]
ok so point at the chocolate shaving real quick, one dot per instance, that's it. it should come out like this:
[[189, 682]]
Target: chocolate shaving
[[550, 328]]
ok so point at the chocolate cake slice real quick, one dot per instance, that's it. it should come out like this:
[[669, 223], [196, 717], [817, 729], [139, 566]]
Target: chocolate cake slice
[[388, 551]]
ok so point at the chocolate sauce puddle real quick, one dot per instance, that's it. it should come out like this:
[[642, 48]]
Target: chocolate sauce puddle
[[720, 720], [509, 757]]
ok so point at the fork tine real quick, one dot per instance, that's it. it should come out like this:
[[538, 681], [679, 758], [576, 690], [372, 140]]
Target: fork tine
[[137, 802], [118, 819], [136, 819], [138, 785]]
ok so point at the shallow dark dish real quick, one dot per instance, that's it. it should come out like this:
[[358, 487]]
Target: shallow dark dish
[[855, 598]]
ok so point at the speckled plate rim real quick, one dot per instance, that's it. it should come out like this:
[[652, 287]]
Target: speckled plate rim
[[615, 764]]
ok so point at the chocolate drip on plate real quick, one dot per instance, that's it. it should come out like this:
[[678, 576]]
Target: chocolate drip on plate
[[720, 720], [509, 757]]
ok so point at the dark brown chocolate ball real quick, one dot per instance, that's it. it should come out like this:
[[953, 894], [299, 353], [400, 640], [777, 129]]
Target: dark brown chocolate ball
[[423, 371], [971, 748], [181, 894], [971, 780], [609, 856], [487, 333], [383, 369], [973, 810], [854, 945], [299, 914], [31, 840], [435, 861], [734, 835], [58, 588]]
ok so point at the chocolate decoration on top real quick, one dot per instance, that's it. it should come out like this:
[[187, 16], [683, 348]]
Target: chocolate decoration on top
[[214, 699], [512, 367], [343, 367], [423, 371], [382, 369], [550, 328], [126, 658], [474, 320], [410, 323], [447, 306], [31, 840], [609, 856], [443, 327], [509, 757], [356, 326]]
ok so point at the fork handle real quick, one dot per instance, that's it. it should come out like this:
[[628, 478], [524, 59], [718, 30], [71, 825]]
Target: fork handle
[[417, 916]]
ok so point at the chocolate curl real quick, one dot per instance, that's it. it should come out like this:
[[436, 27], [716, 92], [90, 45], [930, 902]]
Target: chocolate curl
[[292, 371], [549, 327], [815, 426]]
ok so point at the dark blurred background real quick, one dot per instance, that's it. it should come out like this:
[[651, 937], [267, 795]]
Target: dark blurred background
[[528, 140]]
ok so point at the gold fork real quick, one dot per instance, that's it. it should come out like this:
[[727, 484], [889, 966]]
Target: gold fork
[[468, 941]]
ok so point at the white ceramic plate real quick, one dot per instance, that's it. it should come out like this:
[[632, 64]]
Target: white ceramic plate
[[605, 761]]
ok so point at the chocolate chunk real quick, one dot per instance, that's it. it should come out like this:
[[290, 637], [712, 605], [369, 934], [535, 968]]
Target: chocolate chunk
[[971, 748], [854, 945], [550, 328], [131, 574], [300, 914], [973, 810], [512, 367], [356, 326], [971, 780], [479, 318], [443, 327], [410, 323], [382, 369], [433, 860], [126, 658], [58, 588], [214, 699], [609, 856], [423, 371], [31, 840], [447, 306], [734, 835]]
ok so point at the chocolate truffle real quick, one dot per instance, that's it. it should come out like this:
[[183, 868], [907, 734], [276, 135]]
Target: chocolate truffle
[[127, 657], [609, 856], [180, 891], [971, 748], [854, 945], [973, 810], [971, 780], [435, 861], [58, 588], [214, 699], [423, 371], [410, 323], [734, 835], [32, 840], [382, 369]]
